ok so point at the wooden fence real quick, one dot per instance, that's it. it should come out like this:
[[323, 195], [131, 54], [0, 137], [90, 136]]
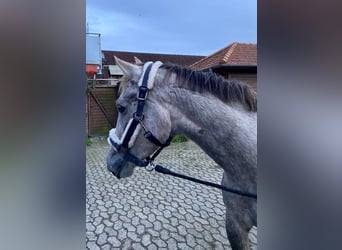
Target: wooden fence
[[101, 113]]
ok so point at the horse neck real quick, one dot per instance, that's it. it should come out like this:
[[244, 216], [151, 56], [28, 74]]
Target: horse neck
[[222, 131]]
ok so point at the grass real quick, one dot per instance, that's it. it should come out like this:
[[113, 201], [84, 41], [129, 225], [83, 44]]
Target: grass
[[179, 138], [88, 141]]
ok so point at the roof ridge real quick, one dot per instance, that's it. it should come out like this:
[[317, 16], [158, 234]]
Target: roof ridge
[[216, 52], [229, 52]]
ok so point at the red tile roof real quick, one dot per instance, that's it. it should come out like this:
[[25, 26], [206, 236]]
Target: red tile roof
[[184, 60], [234, 54]]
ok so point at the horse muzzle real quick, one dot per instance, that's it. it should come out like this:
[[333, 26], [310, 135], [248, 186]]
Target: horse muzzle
[[117, 165]]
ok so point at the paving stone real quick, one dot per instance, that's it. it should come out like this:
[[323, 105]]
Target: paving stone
[[118, 225], [140, 229], [122, 234], [172, 243], [133, 236], [105, 214], [124, 218], [114, 217], [110, 231], [152, 247], [138, 246], [157, 225], [203, 243], [162, 219], [92, 245], [95, 212], [190, 239], [181, 230], [183, 246], [89, 227], [194, 213], [219, 246], [160, 243], [130, 214], [198, 226], [182, 210], [114, 241], [219, 238], [141, 215], [99, 229], [129, 227], [199, 247], [108, 223], [102, 239], [146, 223], [91, 236], [151, 218], [135, 221], [97, 221], [153, 232], [146, 240], [207, 236], [189, 218], [106, 247], [126, 245], [164, 234], [174, 221], [178, 237], [201, 220]]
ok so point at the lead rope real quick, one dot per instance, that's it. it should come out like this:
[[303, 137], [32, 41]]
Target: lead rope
[[160, 169]]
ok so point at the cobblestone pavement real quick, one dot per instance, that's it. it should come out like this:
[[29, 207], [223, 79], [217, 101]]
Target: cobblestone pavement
[[153, 211]]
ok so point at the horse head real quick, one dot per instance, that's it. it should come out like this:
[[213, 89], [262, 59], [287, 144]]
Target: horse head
[[143, 124]]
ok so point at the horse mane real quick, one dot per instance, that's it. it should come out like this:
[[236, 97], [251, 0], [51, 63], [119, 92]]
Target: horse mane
[[228, 91]]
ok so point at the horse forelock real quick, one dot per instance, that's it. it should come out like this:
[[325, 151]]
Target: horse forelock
[[123, 83], [228, 91]]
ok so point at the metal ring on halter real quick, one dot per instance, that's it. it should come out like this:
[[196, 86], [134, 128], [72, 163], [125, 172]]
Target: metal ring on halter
[[138, 118], [150, 166]]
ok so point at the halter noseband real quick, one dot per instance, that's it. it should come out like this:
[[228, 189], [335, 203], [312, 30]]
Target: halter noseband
[[135, 124]]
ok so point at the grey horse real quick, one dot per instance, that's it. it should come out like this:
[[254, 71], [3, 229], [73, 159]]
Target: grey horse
[[217, 114]]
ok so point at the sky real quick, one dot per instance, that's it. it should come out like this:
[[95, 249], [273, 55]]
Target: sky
[[185, 27]]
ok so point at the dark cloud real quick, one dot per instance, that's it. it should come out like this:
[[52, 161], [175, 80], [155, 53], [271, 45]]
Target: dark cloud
[[181, 27]]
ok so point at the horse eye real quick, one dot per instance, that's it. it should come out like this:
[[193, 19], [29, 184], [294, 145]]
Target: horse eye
[[120, 108]]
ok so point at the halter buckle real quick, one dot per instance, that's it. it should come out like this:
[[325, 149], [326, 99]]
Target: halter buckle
[[142, 94]]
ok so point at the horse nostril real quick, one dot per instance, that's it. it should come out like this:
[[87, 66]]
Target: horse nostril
[[120, 108]]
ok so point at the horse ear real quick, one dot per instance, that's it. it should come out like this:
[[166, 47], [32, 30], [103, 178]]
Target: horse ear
[[131, 71], [137, 60]]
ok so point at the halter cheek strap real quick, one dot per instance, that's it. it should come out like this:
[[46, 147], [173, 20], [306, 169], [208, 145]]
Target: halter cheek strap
[[149, 71]]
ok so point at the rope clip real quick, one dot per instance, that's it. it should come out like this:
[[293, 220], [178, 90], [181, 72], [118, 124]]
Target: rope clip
[[150, 166]]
